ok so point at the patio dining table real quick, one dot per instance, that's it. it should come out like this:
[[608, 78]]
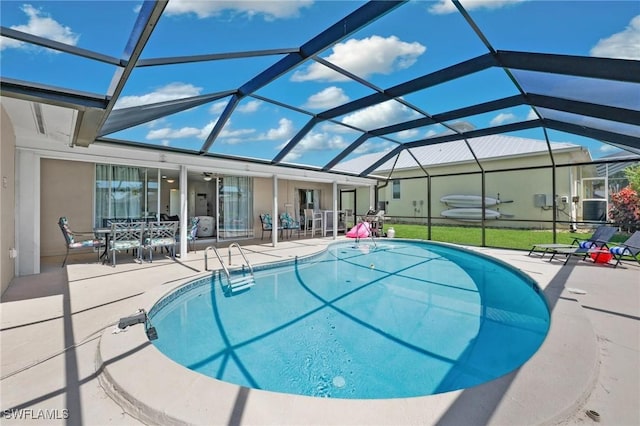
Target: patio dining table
[[103, 232]]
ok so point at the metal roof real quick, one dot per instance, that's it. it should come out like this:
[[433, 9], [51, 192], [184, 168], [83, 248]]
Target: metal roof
[[446, 153], [592, 97]]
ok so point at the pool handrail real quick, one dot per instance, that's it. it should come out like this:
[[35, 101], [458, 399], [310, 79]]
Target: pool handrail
[[237, 284], [242, 254], [206, 262]]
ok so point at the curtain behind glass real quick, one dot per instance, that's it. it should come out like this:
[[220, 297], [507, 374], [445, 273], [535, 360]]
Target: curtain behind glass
[[120, 192], [103, 184], [127, 192], [237, 205]]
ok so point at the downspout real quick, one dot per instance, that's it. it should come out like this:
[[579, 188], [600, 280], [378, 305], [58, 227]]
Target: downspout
[[553, 185], [428, 194]]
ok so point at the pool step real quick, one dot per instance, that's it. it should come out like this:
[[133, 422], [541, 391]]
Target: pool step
[[241, 283]]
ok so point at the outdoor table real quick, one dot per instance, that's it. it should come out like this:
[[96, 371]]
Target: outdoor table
[[103, 233]]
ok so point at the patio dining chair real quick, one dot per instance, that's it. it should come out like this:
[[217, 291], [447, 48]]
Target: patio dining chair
[[163, 235], [312, 222], [290, 224], [78, 240], [267, 224], [126, 236]]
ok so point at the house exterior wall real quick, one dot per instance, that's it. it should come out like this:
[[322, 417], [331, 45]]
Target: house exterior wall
[[64, 175], [7, 200], [263, 196], [67, 189], [516, 186]]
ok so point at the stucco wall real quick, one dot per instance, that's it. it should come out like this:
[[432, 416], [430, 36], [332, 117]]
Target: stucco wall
[[263, 196], [517, 186], [66, 190], [7, 199]]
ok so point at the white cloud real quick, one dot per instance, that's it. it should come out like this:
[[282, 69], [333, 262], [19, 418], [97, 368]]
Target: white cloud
[[43, 25], [169, 133], [327, 98], [531, 115], [284, 131], [228, 135], [407, 134], [251, 106], [232, 136], [315, 141], [270, 10], [372, 55], [446, 6], [169, 92], [218, 107], [380, 115], [622, 45], [502, 118], [330, 127]]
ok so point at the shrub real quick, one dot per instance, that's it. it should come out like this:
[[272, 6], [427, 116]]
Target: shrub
[[625, 209], [633, 176]]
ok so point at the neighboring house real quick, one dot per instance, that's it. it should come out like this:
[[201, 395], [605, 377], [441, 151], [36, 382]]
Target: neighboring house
[[454, 171]]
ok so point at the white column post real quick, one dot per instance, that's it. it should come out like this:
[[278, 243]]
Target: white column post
[[274, 213], [335, 209], [27, 219], [184, 218]]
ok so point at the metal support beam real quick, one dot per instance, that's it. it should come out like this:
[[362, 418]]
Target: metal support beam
[[50, 95], [125, 118], [348, 150], [452, 137], [597, 134], [294, 140], [603, 112], [355, 21], [582, 66], [90, 124]]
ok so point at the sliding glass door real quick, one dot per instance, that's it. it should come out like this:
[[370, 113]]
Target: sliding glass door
[[235, 199]]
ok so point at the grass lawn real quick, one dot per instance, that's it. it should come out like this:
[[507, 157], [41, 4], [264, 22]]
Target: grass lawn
[[519, 239]]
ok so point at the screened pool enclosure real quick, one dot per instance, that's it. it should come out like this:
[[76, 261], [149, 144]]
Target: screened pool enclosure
[[535, 103]]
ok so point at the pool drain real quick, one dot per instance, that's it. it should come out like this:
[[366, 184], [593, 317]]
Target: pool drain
[[339, 381]]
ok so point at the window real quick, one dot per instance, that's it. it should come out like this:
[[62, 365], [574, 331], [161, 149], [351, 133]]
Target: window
[[396, 189], [124, 192]]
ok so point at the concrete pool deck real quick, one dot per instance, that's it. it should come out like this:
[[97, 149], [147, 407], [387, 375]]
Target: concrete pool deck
[[590, 360]]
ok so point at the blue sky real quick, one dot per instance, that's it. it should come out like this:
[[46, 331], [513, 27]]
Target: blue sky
[[413, 40]]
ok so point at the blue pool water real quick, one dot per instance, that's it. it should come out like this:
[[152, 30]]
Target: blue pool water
[[400, 320]]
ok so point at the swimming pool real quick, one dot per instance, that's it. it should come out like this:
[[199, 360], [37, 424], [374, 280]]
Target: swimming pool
[[398, 320]]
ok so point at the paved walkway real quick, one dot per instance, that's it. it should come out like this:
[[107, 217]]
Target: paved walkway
[[593, 306]]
